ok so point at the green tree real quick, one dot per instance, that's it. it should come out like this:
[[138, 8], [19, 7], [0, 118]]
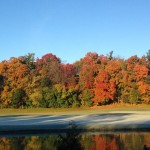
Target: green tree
[[134, 96], [19, 98], [29, 60]]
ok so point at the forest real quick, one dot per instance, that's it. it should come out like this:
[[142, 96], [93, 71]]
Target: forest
[[47, 82]]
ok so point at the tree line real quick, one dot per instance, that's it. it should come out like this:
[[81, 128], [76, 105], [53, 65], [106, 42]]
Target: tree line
[[26, 82]]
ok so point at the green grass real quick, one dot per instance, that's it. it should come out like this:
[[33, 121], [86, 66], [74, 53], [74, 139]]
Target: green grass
[[38, 111], [83, 110]]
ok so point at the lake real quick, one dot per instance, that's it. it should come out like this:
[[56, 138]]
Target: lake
[[76, 141]]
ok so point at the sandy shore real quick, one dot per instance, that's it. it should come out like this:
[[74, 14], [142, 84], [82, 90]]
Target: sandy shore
[[129, 120]]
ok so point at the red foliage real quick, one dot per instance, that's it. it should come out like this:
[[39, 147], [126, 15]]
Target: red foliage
[[104, 88], [140, 72], [104, 143]]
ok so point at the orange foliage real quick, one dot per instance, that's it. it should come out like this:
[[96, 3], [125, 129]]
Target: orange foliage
[[145, 91], [140, 72], [101, 142], [96, 78], [104, 88]]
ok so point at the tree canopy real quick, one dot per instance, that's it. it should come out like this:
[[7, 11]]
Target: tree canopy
[[95, 79]]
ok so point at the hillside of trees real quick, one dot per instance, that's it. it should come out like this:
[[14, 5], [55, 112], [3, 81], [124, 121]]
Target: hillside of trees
[[26, 82]]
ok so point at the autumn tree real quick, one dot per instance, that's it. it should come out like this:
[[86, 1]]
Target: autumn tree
[[15, 75], [140, 72], [68, 73], [129, 80], [104, 90], [88, 71], [114, 68], [49, 67]]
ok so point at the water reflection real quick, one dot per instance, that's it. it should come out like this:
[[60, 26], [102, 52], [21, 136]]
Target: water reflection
[[75, 141], [70, 140]]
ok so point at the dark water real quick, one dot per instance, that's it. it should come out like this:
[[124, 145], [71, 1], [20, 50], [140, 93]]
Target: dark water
[[77, 141]]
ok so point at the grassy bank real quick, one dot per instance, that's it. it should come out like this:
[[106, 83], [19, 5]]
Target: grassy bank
[[83, 110]]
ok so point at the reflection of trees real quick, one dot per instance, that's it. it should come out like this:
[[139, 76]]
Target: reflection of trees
[[87, 141], [105, 142], [118, 141], [18, 143], [70, 140], [132, 141], [28, 143], [47, 142], [73, 140], [4, 144]]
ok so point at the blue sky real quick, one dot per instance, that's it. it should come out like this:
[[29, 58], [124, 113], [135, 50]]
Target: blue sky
[[71, 28]]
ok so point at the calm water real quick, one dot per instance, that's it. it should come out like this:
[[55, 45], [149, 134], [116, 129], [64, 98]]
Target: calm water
[[75, 141]]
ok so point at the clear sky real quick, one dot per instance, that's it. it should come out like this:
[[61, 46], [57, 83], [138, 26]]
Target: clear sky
[[71, 28]]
